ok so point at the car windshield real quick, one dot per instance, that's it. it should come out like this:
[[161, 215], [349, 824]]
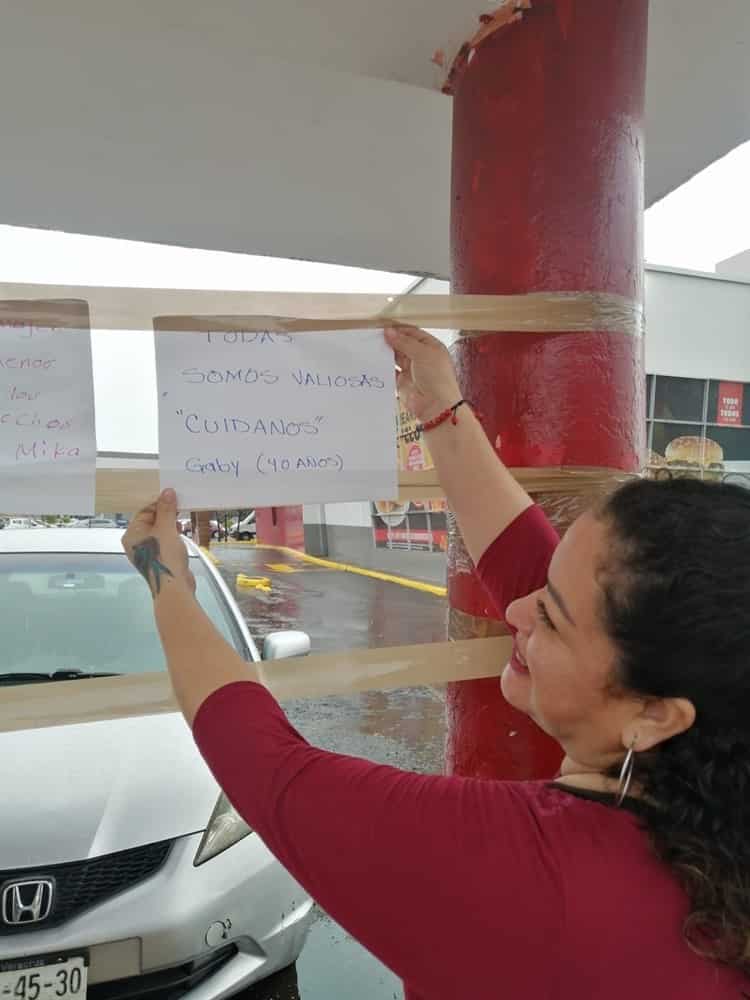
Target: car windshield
[[87, 613]]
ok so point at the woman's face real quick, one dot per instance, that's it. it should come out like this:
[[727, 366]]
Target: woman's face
[[562, 666]]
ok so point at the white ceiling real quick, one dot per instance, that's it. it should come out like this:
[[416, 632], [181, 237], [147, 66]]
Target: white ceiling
[[309, 130]]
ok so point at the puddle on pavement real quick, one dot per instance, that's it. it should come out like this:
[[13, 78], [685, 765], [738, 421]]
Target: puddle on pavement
[[339, 610]]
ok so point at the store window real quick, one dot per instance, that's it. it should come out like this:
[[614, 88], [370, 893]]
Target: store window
[[664, 434], [699, 425], [734, 442], [679, 399]]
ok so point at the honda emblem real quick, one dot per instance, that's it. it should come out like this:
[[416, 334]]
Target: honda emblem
[[27, 902]]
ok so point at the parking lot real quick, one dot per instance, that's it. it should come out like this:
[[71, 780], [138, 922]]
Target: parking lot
[[403, 728]]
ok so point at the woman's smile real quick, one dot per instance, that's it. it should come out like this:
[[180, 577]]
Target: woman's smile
[[517, 662]]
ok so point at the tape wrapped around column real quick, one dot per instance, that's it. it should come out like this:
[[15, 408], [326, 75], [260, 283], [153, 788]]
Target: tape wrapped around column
[[176, 309], [463, 626]]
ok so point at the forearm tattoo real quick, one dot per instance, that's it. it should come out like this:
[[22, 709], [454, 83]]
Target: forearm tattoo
[[146, 561]]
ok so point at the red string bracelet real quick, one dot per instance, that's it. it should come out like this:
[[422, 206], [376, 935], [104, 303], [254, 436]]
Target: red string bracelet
[[449, 414]]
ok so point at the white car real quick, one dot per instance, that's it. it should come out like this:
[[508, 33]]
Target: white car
[[124, 871], [244, 530], [218, 530]]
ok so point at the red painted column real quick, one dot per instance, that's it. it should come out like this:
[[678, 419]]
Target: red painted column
[[547, 196], [281, 526]]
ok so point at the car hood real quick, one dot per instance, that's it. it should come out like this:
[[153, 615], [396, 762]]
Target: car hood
[[76, 792]]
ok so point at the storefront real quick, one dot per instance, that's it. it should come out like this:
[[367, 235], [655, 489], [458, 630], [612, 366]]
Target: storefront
[[698, 386], [419, 525], [699, 424]]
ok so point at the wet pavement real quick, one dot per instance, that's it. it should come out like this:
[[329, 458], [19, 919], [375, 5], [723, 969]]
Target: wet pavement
[[403, 728], [339, 610]]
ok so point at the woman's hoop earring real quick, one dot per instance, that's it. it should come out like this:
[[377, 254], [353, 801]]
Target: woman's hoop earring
[[626, 774]]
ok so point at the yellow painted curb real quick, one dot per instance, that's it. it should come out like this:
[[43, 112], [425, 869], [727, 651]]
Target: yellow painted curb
[[254, 582], [402, 581], [209, 555]]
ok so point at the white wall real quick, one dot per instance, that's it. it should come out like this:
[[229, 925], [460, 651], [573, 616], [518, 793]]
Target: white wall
[[737, 266], [347, 515], [697, 326]]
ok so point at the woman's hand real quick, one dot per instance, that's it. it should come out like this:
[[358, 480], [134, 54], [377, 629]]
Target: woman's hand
[[155, 547], [482, 494], [427, 382]]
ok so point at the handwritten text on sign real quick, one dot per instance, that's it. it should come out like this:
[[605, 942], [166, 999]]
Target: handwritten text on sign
[[262, 418], [47, 434]]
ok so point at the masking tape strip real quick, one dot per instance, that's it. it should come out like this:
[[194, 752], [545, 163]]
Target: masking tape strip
[[130, 488], [63, 313], [566, 480], [170, 309], [37, 706]]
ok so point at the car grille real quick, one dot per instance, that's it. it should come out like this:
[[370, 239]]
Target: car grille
[[79, 885], [167, 984]]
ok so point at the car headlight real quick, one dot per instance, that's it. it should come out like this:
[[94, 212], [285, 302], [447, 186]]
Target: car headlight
[[226, 827]]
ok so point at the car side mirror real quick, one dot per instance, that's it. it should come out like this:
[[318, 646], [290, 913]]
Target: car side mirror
[[282, 645]]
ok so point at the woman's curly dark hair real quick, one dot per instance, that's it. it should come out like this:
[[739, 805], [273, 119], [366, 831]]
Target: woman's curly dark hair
[[676, 587]]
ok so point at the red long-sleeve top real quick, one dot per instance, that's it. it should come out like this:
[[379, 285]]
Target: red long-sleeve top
[[466, 889]]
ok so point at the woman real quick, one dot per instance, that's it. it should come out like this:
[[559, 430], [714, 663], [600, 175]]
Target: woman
[[630, 875]]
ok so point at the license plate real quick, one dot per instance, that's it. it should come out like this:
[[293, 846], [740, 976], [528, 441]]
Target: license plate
[[44, 978]]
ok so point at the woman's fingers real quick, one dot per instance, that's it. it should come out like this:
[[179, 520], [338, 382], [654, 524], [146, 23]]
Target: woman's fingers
[[145, 518], [403, 363], [416, 333], [409, 340], [144, 521], [148, 511], [166, 503]]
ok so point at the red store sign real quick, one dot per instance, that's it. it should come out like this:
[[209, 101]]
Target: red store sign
[[729, 407]]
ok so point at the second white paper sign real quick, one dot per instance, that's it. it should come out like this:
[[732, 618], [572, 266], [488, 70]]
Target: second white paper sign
[[262, 419]]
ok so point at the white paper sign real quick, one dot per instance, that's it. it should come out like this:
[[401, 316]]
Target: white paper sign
[[262, 419], [47, 431]]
